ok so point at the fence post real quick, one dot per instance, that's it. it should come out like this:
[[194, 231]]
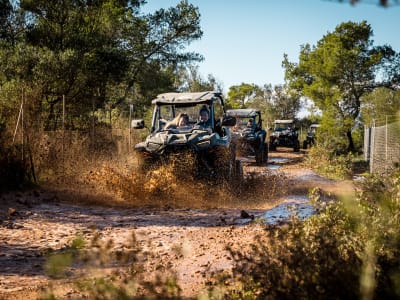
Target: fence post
[[386, 143], [130, 127], [372, 152], [63, 137]]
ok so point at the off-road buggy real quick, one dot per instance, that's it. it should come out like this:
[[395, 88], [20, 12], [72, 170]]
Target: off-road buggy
[[284, 135], [249, 134], [209, 143], [310, 138]]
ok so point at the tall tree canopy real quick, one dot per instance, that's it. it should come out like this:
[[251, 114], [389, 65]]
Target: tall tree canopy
[[240, 95], [95, 53], [339, 70]]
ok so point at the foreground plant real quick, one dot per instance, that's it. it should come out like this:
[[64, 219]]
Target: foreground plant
[[100, 270], [349, 250]]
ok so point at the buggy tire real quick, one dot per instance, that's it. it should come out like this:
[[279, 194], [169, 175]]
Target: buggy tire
[[262, 154], [296, 147]]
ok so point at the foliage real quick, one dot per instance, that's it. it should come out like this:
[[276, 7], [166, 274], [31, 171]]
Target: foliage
[[380, 106], [240, 95], [350, 249], [98, 55], [340, 69], [327, 162], [300, 260], [14, 171], [191, 81], [278, 102], [286, 102]]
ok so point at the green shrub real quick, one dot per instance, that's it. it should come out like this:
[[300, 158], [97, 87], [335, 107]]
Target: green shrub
[[349, 250], [312, 259], [329, 164]]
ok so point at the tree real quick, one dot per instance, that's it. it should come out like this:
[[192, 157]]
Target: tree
[[192, 81], [160, 39], [240, 95], [339, 70], [380, 106], [87, 50], [286, 103]]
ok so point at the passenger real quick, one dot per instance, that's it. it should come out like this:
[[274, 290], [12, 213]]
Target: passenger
[[204, 118], [180, 120], [250, 123]]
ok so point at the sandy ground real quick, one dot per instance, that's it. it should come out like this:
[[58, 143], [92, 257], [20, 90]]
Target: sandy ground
[[189, 242]]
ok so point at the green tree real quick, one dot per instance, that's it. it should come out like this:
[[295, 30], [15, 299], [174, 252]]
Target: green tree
[[88, 50], [285, 102], [240, 95], [339, 70], [191, 80], [380, 106], [263, 100], [158, 39]]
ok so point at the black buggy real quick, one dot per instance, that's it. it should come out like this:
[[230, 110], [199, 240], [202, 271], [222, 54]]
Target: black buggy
[[249, 134], [209, 142], [284, 135]]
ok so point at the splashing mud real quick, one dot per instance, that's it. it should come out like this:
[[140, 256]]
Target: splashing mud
[[175, 185]]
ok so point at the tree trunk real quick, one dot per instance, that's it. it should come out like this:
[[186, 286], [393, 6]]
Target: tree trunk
[[351, 143]]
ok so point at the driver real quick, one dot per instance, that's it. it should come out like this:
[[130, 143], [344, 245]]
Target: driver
[[181, 120], [204, 118]]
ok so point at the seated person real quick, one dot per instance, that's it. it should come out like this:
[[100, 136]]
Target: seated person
[[250, 123], [204, 118], [181, 120]]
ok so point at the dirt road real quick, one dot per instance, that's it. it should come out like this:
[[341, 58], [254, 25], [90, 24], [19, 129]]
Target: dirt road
[[189, 241]]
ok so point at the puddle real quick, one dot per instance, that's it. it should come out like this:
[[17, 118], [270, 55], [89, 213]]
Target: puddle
[[278, 160], [293, 205], [273, 167], [358, 178]]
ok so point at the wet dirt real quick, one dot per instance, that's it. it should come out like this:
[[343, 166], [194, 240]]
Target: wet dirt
[[34, 223]]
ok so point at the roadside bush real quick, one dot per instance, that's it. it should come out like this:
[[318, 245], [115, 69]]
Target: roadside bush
[[349, 250], [312, 259], [329, 164], [378, 221]]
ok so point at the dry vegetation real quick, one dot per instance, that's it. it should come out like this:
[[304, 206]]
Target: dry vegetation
[[70, 175]]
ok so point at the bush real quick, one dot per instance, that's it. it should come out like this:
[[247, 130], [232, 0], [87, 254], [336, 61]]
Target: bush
[[314, 259], [349, 250], [329, 164]]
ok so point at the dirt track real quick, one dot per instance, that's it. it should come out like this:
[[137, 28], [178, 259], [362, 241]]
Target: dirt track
[[35, 222]]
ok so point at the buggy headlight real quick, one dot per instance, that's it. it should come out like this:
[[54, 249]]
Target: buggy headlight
[[153, 146], [203, 144]]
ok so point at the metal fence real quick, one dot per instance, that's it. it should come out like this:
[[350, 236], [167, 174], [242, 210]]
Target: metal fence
[[382, 147]]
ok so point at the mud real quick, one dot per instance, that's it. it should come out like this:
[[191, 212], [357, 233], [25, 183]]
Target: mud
[[34, 223]]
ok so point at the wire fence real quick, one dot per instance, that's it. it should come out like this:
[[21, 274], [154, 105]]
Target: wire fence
[[73, 143], [382, 147]]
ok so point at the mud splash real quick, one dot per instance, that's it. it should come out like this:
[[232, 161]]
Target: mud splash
[[173, 185]]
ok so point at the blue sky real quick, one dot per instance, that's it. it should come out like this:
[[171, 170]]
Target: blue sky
[[244, 41]]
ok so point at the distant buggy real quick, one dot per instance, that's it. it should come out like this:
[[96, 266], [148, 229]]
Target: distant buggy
[[204, 133], [284, 135], [249, 134]]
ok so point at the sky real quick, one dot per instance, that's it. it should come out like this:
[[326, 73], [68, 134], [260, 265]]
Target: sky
[[245, 41]]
